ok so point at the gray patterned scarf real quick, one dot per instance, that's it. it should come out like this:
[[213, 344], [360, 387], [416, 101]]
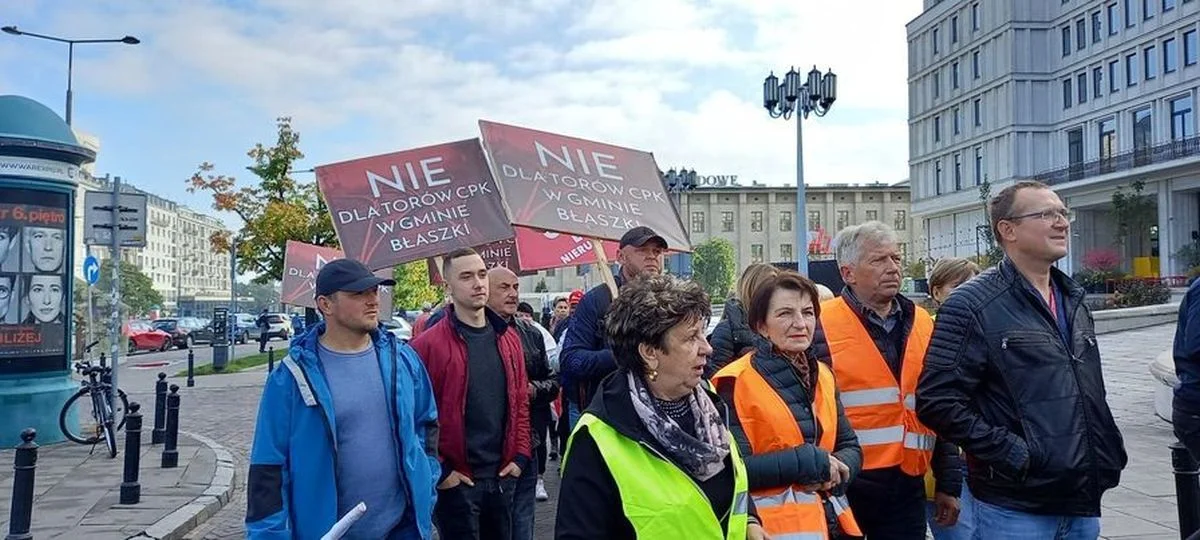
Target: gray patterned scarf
[[702, 456]]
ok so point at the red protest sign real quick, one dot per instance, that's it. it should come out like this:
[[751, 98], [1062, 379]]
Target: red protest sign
[[539, 250], [301, 264], [394, 208], [575, 186], [496, 254]]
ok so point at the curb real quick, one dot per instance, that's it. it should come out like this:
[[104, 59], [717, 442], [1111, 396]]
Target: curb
[[180, 522]]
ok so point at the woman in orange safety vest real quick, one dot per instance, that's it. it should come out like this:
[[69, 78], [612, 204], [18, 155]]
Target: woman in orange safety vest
[[787, 418]]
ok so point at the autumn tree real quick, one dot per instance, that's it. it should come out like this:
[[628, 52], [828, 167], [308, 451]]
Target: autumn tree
[[412, 288], [274, 207]]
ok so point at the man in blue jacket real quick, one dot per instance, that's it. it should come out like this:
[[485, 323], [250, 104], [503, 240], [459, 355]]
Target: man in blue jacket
[[349, 417], [585, 358], [1186, 405]]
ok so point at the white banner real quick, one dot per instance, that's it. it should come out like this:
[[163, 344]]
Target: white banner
[[38, 168]]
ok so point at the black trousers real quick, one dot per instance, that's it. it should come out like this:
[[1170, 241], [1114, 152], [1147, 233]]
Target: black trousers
[[893, 509], [482, 512]]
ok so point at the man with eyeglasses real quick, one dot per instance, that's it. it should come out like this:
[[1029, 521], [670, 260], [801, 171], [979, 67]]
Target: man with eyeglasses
[[1013, 377], [7, 283]]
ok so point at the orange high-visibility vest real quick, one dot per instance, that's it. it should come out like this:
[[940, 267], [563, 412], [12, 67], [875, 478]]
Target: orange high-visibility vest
[[882, 412], [770, 426]]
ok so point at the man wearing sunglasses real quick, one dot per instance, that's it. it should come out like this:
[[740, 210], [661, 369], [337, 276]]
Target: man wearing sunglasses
[[1013, 377]]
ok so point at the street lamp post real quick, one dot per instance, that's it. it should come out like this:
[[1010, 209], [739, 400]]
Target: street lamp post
[[677, 183], [785, 99], [127, 40]]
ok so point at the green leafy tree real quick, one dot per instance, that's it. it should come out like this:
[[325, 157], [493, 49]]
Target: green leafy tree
[[274, 208], [138, 296], [265, 295], [412, 288], [993, 254], [1135, 213], [541, 286], [713, 266]]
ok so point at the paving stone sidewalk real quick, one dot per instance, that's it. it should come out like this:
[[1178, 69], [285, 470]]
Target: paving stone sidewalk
[[77, 492]]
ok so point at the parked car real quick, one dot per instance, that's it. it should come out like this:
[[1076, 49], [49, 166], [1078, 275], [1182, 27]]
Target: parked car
[[184, 331], [142, 336], [199, 330], [244, 329], [279, 325], [398, 327]]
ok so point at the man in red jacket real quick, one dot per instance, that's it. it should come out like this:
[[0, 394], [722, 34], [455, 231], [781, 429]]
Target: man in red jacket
[[477, 367]]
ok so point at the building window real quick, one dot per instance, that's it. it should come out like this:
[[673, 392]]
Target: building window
[[785, 221], [1075, 147], [1097, 82], [957, 172], [978, 166], [901, 221], [1097, 27], [903, 250], [1148, 60], [1068, 96], [975, 64], [843, 219], [954, 29], [756, 253], [1113, 22], [1108, 138], [936, 36], [1170, 56], [1189, 48], [937, 129], [954, 75], [726, 221], [1129, 19], [1112, 75], [872, 215], [697, 222], [976, 106], [1131, 70], [937, 84], [937, 176], [1066, 40], [1080, 34], [551, 272], [957, 126], [756, 221], [1168, 5], [1147, 9], [785, 252], [1181, 118], [814, 220], [974, 17], [1142, 130], [1081, 87]]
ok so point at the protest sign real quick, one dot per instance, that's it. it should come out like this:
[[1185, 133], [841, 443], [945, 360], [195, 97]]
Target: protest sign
[[496, 254], [539, 250], [574, 186], [301, 264], [394, 208]]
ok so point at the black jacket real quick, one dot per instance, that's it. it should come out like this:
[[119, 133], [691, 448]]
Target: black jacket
[[585, 358], [543, 379], [591, 505], [731, 336], [1026, 405]]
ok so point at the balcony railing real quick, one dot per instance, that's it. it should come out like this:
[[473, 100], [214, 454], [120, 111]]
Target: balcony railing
[[1159, 153]]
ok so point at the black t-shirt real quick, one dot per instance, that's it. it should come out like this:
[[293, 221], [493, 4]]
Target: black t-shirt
[[487, 401]]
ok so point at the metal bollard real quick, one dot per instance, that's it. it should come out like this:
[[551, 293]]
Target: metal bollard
[[170, 456], [131, 490], [160, 410], [191, 381], [1187, 489], [20, 516], [270, 360]]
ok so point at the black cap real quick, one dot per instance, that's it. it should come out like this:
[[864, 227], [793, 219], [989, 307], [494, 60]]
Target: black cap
[[348, 275], [638, 236]]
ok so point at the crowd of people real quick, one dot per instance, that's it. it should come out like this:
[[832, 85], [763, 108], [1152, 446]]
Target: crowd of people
[[804, 415]]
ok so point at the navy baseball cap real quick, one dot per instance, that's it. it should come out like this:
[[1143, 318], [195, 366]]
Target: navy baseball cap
[[348, 275], [638, 236]]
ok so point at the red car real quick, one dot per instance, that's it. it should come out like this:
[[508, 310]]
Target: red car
[[141, 336]]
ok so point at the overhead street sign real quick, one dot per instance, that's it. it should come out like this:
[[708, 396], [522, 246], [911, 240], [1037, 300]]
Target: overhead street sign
[[98, 219]]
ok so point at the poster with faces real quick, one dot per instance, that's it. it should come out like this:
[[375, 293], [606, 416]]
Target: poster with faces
[[33, 281]]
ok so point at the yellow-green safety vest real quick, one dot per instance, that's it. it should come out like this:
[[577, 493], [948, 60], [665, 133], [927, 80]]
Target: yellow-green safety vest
[[660, 500]]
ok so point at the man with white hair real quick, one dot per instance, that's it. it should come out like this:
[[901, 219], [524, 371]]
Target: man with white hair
[[876, 339]]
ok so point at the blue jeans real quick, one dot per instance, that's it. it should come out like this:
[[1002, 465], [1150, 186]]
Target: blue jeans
[[523, 515], [964, 529], [573, 414], [990, 518]]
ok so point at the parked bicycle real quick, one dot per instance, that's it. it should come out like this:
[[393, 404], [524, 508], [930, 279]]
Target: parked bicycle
[[97, 424]]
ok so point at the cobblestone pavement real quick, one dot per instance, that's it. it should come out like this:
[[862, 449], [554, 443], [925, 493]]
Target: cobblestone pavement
[[223, 407]]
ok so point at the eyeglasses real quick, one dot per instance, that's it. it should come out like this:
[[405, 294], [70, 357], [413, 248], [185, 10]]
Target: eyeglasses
[[1050, 216]]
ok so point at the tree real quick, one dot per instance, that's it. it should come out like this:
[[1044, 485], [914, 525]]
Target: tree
[[412, 288], [993, 254], [1135, 212], [138, 296], [713, 266], [276, 209], [264, 294], [541, 286]]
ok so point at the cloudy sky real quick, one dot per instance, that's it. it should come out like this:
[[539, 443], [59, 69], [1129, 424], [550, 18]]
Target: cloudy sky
[[680, 78]]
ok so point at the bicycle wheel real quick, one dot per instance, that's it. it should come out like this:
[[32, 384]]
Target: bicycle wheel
[[122, 409], [78, 419], [110, 438]]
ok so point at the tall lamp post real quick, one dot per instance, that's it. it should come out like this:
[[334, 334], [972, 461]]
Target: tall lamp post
[[783, 99], [127, 40], [677, 183]]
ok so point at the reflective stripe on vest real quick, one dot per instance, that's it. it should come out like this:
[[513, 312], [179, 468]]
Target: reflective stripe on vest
[[660, 500], [882, 412], [786, 511]]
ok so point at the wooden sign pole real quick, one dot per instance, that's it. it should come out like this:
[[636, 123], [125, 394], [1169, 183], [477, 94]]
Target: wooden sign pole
[[602, 262]]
